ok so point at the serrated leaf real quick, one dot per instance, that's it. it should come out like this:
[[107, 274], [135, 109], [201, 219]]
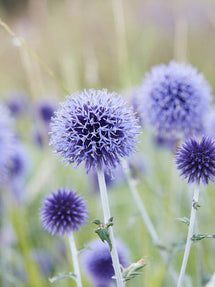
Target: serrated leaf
[[103, 232], [104, 235], [132, 270], [97, 222], [63, 275], [184, 220], [200, 236]]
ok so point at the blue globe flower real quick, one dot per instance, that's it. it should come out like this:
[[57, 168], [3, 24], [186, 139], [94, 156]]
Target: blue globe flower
[[95, 127], [175, 98], [45, 109], [7, 139], [63, 211], [97, 263], [196, 160]]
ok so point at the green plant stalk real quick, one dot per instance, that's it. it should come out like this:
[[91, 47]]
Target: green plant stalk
[[21, 228], [74, 253], [106, 213], [146, 218], [189, 236]]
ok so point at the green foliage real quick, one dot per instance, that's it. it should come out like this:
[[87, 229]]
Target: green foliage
[[102, 230], [132, 270]]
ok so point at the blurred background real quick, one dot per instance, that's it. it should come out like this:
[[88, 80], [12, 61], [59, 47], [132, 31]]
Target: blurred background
[[97, 44]]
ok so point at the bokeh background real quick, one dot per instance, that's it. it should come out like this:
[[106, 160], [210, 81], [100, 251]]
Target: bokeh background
[[99, 44]]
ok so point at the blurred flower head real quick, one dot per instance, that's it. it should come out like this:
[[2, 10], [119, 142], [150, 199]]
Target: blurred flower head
[[17, 102], [63, 211], [175, 98], [95, 127], [97, 263], [166, 142], [45, 109], [20, 160], [196, 160], [44, 260], [7, 137]]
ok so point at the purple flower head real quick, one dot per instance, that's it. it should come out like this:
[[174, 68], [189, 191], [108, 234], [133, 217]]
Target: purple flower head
[[165, 142], [63, 211], [45, 109], [19, 160], [44, 260], [17, 102], [95, 127], [97, 262], [7, 137], [175, 99], [196, 160]]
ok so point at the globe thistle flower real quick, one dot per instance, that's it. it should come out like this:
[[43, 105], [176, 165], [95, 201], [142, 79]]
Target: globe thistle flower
[[63, 211], [165, 142], [196, 160], [20, 160], [17, 102], [44, 260], [97, 263], [95, 127], [6, 142], [175, 99], [45, 109]]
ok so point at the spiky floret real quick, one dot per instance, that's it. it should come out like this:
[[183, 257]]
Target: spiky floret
[[196, 160], [63, 211], [95, 127], [97, 263], [175, 98]]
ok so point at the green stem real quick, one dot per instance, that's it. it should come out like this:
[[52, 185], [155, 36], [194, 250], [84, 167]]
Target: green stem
[[146, 218], [189, 236], [74, 253], [106, 212]]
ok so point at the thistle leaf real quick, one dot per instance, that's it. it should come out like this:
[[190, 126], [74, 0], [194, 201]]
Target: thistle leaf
[[132, 270], [200, 236], [103, 231], [184, 220]]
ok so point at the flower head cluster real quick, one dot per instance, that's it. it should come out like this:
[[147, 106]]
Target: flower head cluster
[[196, 160], [97, 262], [95, 127], [63, 211], [6, 142], [175, 99]]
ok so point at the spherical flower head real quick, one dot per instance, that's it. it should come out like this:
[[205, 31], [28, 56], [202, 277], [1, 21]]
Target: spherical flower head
[[63, 211], [175, 99], [97, 263], [17, 102], [20, 160], [45, 109], [7, 137], [95, 127], [196, 160]]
